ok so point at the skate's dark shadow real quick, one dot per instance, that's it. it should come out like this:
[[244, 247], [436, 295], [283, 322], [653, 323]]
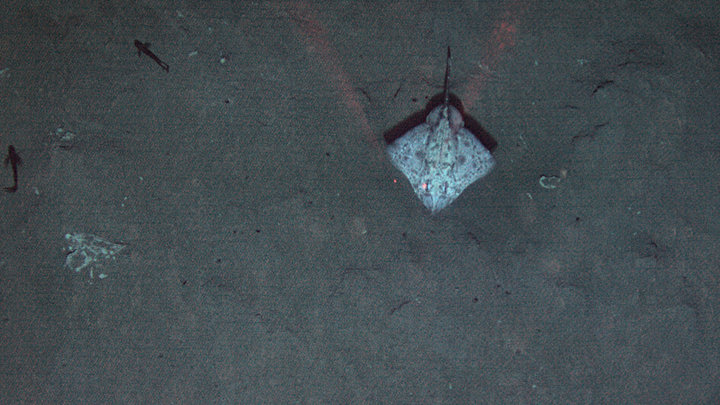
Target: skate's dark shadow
[[419, 117]]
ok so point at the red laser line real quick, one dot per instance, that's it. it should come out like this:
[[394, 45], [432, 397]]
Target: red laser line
[[502, 41], [315, 38]]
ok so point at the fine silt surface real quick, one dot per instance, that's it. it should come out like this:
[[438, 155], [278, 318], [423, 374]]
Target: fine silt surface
[[223, 225]]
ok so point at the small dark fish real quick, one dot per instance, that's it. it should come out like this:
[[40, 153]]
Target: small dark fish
[[14, 159], [144, 48]]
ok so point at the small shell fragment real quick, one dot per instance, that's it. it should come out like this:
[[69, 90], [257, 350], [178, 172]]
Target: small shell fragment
[[549, 182]]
